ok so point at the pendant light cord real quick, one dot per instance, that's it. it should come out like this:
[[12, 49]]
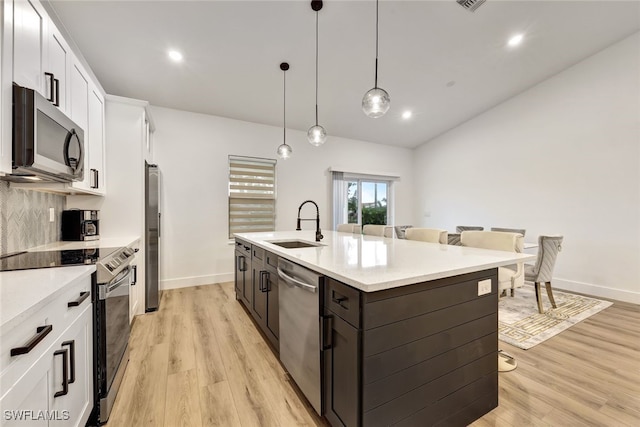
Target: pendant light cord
[[284, 107], [316, 68], [376, 81]]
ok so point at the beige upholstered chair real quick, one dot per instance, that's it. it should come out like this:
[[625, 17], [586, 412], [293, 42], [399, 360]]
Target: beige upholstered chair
[[500, 241], [510, 230], [461, 228], [542, 271], [349, 228], [389, 232], [376, 230], [432, 235]]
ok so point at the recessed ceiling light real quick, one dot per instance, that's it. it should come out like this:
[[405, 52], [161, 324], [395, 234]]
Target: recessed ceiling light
[[515, 40], [175, 55], [407, 115]]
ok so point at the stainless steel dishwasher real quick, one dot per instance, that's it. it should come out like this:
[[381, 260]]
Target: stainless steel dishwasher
[[300, 328]]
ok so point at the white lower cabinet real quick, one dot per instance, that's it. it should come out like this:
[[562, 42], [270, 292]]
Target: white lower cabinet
[[51, 384], [43, 396], [77, 341], [28, 410]]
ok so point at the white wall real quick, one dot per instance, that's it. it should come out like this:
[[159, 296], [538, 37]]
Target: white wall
[[562, 157], [191, 150]]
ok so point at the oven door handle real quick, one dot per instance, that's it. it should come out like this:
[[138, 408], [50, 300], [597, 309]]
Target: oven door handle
[[108, 288]]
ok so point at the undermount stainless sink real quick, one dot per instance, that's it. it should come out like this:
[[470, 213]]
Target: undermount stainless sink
[[294, 244]]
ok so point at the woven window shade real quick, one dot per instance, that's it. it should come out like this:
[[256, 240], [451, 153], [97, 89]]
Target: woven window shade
[[252, 195]]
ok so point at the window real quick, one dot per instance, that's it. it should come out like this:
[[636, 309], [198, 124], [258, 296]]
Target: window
[[252, 195], [362, 199]]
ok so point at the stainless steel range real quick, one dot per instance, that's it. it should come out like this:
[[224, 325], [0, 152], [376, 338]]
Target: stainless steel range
[[110, 296], [114, 276]]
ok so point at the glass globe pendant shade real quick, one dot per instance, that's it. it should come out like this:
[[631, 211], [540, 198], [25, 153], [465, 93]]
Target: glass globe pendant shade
[[284, 151], [317, 135], [376, 102]]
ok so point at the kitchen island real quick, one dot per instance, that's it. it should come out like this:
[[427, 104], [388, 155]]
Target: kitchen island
[[408, 330]]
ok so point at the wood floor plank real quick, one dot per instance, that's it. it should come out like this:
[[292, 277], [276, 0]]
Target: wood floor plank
[[182, 407], [218, 406], [587, 375], [181, 347]]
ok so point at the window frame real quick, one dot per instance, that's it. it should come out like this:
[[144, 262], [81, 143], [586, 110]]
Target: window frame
[[259, 185]]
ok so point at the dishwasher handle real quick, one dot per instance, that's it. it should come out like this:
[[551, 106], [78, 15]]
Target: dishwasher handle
[[300, 284]]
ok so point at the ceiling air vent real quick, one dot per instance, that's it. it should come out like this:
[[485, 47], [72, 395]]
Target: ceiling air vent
[[470, 5]]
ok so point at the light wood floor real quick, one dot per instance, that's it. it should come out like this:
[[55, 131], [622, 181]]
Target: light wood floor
[[200, 361]]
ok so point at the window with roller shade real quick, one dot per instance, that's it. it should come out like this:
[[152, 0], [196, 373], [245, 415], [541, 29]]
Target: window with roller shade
[[252, 195]]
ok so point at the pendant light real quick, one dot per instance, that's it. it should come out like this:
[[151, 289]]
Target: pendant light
[[316, 134], [284, 150], [376, 102]]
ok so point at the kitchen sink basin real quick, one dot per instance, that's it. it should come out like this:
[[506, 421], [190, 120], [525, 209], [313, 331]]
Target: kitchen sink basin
[[294, 244]]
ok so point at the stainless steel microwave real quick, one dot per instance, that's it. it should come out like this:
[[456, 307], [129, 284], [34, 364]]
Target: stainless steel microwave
[[47, 145]]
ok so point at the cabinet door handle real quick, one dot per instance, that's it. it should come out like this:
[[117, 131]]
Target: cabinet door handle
[[65, 372], [135, 275], [83, 296], [56, 83], [327, 332], [93, 179], [72, 351], [242, 266], [41, 332], [51, 79], [263, 287]]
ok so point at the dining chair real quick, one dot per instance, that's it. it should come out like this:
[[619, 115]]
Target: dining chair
[[389, 232], [542, 270], [507, 278], [374, 230], [511, 242], [461, 228], [431, 235], [510, 230], [349, 228], [454, 239]]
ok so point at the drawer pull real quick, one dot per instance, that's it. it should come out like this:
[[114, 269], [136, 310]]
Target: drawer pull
[[83, 296], [65, 372], [340, 299], [72, 348], [41, 332]]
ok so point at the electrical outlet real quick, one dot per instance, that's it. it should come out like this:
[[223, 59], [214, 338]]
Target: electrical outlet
[[52, 214], [484, 287]]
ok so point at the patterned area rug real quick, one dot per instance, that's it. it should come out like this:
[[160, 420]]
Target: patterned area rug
[[521, 325]]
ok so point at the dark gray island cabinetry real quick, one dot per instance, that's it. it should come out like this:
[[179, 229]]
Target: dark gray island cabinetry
[[408, 330], [257, 286], [419, 355]]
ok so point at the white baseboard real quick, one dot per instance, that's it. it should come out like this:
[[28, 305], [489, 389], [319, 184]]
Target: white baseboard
[[597, 290], [185, 282]]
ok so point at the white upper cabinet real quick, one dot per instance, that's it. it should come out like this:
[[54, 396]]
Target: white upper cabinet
[[58, 61], [96, 141], [79, 113], [41, 56], [6, 50], [36, 55], [30, 23]]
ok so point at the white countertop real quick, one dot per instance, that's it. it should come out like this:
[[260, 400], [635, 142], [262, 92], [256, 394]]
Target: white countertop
[[105, 242], [23, 292], [372, 263]]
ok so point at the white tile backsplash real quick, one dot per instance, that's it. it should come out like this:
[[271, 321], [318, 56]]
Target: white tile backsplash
[[24, 218]]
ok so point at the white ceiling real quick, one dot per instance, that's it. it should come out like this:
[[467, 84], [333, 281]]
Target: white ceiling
[[233, 49]]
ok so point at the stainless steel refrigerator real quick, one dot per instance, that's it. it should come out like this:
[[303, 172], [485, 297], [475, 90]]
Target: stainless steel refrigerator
[[152, 235]]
